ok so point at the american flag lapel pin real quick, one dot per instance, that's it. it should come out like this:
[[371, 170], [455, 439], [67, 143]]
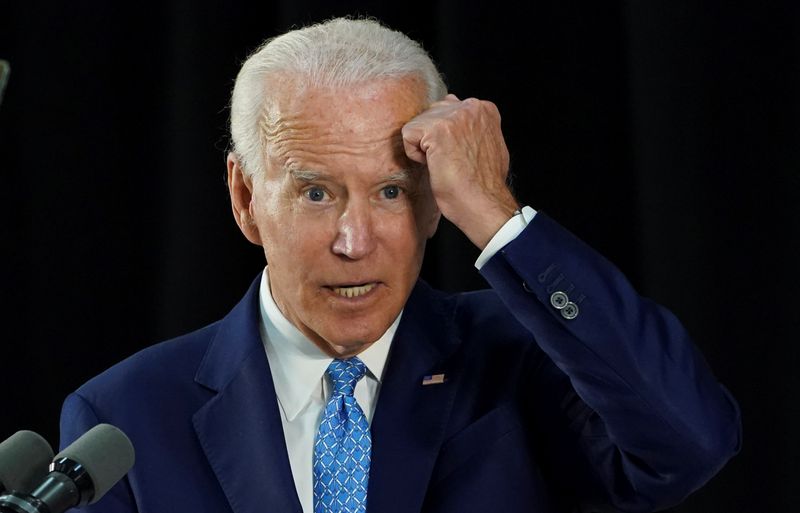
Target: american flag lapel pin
[[433, 379]]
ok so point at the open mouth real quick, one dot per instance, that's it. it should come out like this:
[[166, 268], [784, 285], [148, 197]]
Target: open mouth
[[354, 291]]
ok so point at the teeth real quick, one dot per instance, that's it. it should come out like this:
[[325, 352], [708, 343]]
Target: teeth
[[354, 291]]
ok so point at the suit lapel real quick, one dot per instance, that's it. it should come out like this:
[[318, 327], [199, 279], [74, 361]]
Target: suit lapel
[[240, 428], [410, 418]]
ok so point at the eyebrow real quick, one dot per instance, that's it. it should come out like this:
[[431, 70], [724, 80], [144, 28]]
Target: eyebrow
[[402, 175], [305, 175]]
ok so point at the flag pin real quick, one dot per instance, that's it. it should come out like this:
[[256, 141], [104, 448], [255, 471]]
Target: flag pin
[[433, 379]]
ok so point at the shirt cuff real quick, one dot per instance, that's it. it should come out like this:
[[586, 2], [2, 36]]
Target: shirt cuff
[[505, 234]]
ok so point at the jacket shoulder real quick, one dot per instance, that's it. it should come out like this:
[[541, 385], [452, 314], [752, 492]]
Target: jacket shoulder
[[153, 370]]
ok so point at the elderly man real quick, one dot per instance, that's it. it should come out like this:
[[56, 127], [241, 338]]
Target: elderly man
[[342, 383]]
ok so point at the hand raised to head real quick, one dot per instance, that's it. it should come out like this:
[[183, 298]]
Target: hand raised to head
[[461, 144]]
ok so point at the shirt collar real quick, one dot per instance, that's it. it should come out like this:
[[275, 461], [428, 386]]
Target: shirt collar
[[296, 363]]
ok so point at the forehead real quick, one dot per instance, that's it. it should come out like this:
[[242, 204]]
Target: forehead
[[362, 118], [291, 98]]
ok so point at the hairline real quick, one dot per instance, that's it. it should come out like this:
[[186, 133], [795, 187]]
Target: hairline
[[277, 59]]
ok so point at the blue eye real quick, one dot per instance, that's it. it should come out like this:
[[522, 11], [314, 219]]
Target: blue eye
[[391, 191], [315, 194]]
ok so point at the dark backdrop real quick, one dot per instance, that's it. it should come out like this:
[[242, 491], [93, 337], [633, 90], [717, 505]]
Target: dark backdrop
[[665, 133]]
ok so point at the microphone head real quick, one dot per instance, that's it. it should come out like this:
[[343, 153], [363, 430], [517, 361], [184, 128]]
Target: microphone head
[[105, 453], [24, 459]]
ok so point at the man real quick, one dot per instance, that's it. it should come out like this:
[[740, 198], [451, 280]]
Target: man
[[342, 383]]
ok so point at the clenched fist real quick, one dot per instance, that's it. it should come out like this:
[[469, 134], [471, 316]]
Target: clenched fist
[[462, 146]]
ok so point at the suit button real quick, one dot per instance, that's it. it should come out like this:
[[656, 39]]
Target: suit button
[[559, 300], [570, 311], [526, 287]]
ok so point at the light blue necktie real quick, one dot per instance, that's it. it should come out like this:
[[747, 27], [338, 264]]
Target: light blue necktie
[[343, 445]]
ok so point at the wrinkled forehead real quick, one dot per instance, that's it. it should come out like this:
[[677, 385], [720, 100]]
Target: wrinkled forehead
[[362, 113]]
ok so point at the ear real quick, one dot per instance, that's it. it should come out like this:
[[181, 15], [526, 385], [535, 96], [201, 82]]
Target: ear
[[240, 187]]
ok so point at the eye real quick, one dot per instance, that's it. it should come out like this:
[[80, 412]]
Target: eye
[[315, 194], [391, 191]]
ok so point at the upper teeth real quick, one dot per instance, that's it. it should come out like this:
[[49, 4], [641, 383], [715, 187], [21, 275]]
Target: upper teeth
[[354, 291]]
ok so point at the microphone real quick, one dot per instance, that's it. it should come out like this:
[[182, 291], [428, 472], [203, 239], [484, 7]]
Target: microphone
[[24, 458], [80, 474]]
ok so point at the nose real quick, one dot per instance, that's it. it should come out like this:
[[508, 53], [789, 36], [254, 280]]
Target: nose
[[355, 237]]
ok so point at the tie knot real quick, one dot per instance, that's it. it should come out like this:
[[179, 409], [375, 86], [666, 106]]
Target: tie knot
[[345, 374]]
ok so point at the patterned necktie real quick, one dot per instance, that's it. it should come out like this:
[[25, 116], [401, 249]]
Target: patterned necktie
[[342, 446]]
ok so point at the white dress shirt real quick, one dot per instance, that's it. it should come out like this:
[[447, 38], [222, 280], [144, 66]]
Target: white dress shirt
[[298, 371]]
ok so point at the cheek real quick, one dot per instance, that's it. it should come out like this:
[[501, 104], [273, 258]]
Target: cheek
[[295, 240], [300, 241], [402, 236]]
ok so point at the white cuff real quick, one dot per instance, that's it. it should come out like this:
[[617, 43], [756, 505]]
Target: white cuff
[[505, 234]]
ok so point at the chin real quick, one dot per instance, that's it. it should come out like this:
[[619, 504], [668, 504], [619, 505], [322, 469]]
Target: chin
[[344, 352], [354, 343]]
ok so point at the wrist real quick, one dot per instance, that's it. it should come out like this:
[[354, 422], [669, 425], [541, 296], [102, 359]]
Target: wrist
[[480, 224]]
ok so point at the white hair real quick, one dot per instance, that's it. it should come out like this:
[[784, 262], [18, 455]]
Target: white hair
[[338, 53]]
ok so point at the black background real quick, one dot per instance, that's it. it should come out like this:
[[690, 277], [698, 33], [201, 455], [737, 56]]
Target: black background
[[665, 133]]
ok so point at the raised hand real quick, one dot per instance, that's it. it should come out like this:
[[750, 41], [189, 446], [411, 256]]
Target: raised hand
[[461, 144]]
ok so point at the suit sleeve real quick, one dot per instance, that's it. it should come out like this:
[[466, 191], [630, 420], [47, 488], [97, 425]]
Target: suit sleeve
[[652, 423], [77, 417]]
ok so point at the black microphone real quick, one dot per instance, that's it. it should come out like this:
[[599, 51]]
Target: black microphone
[[80, 474], [24, 460]]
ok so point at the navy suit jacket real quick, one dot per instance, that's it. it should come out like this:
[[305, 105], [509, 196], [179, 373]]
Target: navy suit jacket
[[613, 409]]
